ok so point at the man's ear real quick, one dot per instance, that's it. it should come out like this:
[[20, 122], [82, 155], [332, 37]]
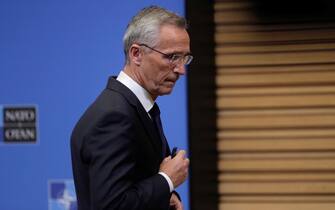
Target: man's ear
[[135, 54]]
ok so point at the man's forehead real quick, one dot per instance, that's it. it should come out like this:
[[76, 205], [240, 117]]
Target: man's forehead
[[170, 33]]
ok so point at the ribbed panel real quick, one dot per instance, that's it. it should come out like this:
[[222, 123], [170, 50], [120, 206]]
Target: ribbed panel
[[276, 109]]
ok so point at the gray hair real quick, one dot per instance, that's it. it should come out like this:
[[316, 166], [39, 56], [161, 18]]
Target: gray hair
[[144, 27]]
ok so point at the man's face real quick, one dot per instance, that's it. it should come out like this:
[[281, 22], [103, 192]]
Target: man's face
[[158, 74]]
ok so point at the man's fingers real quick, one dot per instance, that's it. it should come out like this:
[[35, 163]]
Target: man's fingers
[[167, 158], [180, 206], [181, 153]]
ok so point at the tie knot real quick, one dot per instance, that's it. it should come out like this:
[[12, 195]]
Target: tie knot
[[154, 111]]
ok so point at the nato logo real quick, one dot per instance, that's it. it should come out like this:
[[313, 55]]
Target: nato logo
[[62, 195], [18, 124]]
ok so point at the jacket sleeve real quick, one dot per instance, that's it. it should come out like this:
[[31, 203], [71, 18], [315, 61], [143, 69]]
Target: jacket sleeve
[[111, 155]]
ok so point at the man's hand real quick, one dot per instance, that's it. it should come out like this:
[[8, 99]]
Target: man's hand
[[175, 203], [176, 168]]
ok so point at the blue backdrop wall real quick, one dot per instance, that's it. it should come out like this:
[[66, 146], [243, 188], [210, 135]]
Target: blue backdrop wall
[[56, 56]]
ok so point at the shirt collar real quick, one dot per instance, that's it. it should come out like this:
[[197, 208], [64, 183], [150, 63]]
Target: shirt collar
[[141, 93]]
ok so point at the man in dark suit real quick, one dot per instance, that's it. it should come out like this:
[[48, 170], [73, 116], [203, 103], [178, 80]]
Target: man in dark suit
[[120, 157]]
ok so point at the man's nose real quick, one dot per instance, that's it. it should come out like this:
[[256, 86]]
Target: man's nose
[[180, 69]]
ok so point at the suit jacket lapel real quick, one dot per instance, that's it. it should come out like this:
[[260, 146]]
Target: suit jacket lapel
[[115, 85]]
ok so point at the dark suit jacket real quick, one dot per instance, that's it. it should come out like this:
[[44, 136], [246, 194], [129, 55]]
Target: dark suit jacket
[[116, 154]]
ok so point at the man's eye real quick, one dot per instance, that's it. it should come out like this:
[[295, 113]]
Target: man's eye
[[174, 57]]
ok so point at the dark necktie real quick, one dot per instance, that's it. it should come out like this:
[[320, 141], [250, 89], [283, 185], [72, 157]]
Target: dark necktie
[[155, 116]]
